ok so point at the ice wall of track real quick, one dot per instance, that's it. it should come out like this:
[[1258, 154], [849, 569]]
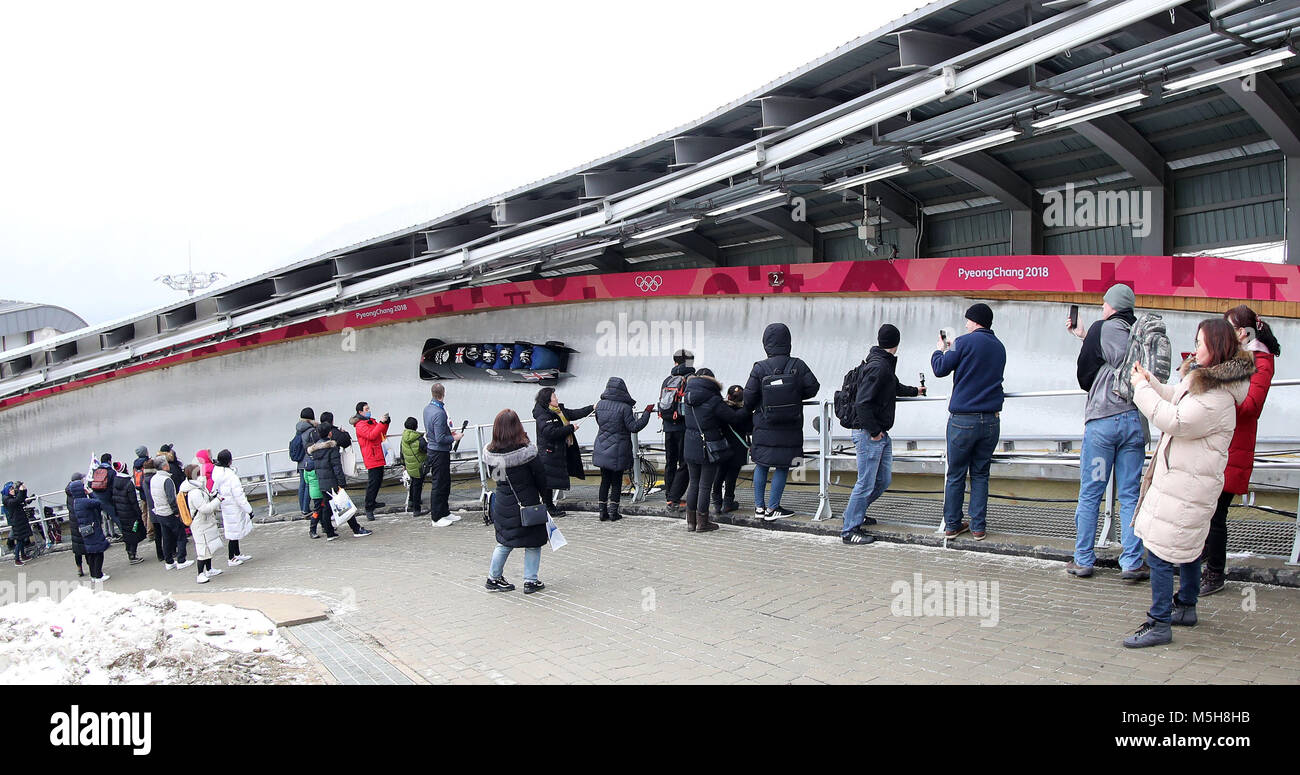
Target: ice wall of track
[[249, 401]]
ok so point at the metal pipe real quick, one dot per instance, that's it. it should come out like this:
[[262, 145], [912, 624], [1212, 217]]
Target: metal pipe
[[638, 493]]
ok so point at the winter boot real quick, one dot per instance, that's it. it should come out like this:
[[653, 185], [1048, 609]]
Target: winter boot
[[614, 516], [702, 523], [604, 511], [1151, 633], [1184, 615], [690, 521], [717, 508], [1211, 582], [729, 506]]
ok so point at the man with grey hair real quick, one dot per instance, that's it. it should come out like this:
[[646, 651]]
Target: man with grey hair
[[1114, 436], [162, 503], [440, 438]]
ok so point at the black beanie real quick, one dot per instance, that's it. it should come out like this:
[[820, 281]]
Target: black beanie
[[412, 423], [888, 338], [224, 458], [307, 414], [980, 313]]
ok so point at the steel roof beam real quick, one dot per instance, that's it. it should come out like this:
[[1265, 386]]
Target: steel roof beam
[[998, 181]]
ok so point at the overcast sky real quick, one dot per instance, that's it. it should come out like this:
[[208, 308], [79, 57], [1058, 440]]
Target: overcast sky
[[263, 133]]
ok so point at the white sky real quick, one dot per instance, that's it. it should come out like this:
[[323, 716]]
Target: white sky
[[264, 133]]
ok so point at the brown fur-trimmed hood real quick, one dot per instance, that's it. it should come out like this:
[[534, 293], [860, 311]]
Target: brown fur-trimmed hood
[[1233, 374]]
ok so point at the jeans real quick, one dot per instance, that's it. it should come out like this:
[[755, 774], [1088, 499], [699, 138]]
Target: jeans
[[1215, 556], [875, 471], [439, 483], [760, 484], [972, 439], [1115, 443], [173, 538], [1162, 587], [374, 481], [701, 487], [304, 493], [675, 476], [532, 562]]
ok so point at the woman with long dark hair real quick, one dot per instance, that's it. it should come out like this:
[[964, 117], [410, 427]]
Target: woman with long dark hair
[[1255, 337], [557, 444], [515, 466], [1196, 418]]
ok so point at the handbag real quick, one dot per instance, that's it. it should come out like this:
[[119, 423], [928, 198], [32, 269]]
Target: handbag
[[529, 516], [342, 506], [715, 451]]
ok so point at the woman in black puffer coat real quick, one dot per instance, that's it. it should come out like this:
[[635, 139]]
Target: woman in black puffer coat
[[20, 528], [78, 543], [737, 436], [612, 452], [707, 418], [521, 477], [557, 444], [126, 505]]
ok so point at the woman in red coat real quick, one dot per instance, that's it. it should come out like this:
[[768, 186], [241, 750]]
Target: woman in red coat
[[1257, 339]]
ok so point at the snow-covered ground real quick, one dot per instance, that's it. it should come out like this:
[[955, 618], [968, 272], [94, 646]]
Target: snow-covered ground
[[92, 637]]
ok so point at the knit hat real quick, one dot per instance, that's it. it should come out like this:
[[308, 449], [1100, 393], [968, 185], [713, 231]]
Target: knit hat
[[980, 313], [307, 414], [888, 337], [142, 451], [1120, 297]]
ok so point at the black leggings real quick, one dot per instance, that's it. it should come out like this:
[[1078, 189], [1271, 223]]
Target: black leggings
[[611, 486], [205, 565], [548, 497], [1216, 543], [697, 492], [96, 560], [326, 520], [724, 487], [233, 547]]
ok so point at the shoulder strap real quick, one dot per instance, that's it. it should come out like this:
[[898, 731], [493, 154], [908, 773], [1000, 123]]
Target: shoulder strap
[[511, 484]]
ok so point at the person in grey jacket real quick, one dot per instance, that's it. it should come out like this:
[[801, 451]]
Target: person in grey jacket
[[440, 438], [162, 502], [306, 421], [1114, 437], [612, 451]]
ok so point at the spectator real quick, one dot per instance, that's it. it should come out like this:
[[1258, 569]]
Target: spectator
[[1114, 437], [707, 417], [203, 459], [306, 421], [129, 515], [20, 528], [1197, 418], [76, 485], [557, 444], [100, 480], [975, 416], [236, 514], [415, 454], [515, 466], [175, 469], [874, 405], [162, 503], [612, 451], [675, 474], [1255, 337], [737, 435], [440, 438], [204, 524], [147, 473], [88, 520], [328, 465], [371, 435], [777, 405]]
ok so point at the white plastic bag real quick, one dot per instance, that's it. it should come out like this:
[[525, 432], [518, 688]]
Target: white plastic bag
[[342, 507], [348, 458], [554, 536]]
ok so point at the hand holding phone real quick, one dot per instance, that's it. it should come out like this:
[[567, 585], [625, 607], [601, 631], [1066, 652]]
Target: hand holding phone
[[650, 408]]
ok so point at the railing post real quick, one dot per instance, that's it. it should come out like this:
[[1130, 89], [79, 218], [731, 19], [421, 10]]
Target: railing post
[[638, 492], [45, 529], [270, 494], [482, 466], [1295, 545], [824, 511]]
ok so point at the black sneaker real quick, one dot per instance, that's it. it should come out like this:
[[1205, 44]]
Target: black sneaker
[[857, 539], [380, 504], [499, 584], [314, 535], [136, 560], [533, 586], [332, 538], [868, 521], [362, 533], [780, 512], [556, 513]]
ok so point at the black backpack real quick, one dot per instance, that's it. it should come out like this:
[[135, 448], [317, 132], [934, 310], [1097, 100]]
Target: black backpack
[[781, 402], [846, 398], [296, 449]]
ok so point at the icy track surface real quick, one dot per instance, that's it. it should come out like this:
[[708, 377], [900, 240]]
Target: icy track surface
[[148, 638]]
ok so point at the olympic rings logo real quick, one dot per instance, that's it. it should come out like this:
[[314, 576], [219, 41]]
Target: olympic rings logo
[[649, 283]]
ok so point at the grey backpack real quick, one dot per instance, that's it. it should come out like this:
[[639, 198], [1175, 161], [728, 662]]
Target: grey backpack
[[1148, 344]]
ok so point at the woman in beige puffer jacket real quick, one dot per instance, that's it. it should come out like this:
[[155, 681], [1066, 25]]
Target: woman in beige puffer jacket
[[1180, 491]]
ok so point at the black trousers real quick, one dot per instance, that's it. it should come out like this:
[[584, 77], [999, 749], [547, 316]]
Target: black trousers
[[173, 538], [374, 481], [327, 519], [675, 472], [132, 535], [611, 486], [96, 560], [77, 555], [702, 477], [1216, 543], [417, 492], [724, 487], [439, 483]]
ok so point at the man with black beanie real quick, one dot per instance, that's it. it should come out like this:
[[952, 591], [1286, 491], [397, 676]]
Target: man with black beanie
[[878, 393], [675, 473], [977, 362]]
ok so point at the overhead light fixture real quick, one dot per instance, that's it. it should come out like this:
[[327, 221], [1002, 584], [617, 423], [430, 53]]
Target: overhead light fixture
[[857, 180], [508, 271], [1254, 64], [668, 227], [1088, 112], [971, 146], [581, 254], [741, 205], [183, 337], [19, 384]]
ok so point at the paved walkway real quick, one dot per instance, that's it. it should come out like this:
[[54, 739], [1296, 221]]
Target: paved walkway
[[641, 600]]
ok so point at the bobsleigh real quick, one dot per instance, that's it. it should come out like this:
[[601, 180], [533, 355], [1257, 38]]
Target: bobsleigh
[[520, 362]]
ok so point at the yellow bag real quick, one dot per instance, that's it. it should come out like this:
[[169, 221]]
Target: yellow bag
[[183, 508]]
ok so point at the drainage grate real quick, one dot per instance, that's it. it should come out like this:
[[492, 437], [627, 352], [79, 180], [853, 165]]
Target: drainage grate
[[346, 656]]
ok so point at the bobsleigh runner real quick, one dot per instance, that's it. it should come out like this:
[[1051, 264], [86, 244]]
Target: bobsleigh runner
[[521, 362]]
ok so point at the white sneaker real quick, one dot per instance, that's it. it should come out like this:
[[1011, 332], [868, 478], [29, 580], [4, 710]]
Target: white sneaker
[[214, 572], [244, 557], [453, 517], [101, 579], [185, 564], [170, 566], [444, 522], [234, 563], [202, 578]]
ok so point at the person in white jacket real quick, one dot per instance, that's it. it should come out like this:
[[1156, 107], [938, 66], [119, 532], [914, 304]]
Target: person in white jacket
[[204, 524], [236, 514]]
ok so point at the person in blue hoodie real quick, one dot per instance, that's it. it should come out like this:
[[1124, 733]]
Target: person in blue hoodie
[[977, 362]]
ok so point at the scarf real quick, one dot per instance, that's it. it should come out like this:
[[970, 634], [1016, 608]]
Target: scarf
[[560, 412]]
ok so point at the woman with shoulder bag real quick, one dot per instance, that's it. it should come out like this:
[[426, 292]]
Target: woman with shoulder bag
[[557, 444], [705, 449], [518, 511]]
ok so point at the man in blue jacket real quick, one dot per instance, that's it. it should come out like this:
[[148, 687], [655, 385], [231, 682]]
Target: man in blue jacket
[[440, 438], [977, 361]]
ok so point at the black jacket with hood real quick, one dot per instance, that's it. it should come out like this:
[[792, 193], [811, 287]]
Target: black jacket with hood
[[616, 416], [520, 476], [707, 417], [777, 445], [879, 391], [561, 458]]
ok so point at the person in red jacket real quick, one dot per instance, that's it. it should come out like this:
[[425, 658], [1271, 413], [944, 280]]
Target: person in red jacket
[[1256, 338], [370, 436]]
